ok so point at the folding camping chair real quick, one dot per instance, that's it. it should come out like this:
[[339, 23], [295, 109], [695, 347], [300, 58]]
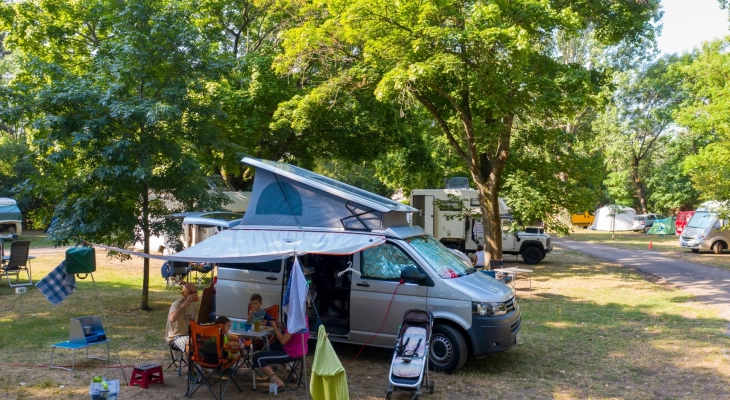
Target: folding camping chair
[[17, 263], [177, 361], [296, 373], [207, 353]]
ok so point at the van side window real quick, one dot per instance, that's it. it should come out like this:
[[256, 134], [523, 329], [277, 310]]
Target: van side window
[[384, 262], [267, 266]]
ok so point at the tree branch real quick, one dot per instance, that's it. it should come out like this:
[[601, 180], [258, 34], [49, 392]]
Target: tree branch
[[442, 123]]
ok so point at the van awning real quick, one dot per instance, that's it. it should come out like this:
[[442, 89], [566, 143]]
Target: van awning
[[258, 245]]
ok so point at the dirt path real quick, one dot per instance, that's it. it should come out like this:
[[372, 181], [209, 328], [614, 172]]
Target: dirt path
[[710, 285]]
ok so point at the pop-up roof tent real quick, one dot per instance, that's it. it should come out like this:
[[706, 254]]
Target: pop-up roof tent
[[285, 195], [666, 226], [293, 210], [613, 218]]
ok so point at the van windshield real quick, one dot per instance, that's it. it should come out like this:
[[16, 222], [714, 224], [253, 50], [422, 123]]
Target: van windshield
[[440, 258], [701, 219]]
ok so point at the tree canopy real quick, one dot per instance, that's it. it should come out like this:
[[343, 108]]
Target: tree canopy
[[477, 68]]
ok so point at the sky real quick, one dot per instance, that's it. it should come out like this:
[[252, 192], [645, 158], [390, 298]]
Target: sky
[[688, 23]]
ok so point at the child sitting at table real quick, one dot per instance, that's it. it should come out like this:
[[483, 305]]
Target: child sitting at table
[[256, 312], [226, 327]]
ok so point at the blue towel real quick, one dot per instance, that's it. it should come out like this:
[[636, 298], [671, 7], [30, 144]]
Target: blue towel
[[57, 285]]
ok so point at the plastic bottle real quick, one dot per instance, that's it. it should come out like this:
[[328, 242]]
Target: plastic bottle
[[272, 385]]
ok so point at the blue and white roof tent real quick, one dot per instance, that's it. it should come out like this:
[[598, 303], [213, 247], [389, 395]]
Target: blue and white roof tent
[[289, 196]]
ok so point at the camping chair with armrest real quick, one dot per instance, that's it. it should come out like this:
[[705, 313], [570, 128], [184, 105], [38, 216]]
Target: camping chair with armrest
[[18, 262], [207, 352], [273, 311], [296, 374]]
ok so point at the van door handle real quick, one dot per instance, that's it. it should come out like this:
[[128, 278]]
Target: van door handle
[[363, 284], [272, 278]]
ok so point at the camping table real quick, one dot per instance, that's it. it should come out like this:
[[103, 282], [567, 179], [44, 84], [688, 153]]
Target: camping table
[[76, 347], [7, 258], [263, 334], [514, 271]]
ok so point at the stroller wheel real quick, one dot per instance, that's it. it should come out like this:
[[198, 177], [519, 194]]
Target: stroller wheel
[[388, 394], [414, 396], [431, 385]]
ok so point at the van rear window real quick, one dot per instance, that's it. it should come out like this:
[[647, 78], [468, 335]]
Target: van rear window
[[268, 266]]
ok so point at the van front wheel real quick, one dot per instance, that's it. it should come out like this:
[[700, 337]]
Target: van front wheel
[[448, 349]]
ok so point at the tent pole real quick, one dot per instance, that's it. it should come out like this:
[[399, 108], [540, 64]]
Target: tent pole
[[108, 328], [304, 369]]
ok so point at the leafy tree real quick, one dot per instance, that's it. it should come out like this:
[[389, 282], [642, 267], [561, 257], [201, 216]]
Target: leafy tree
[[705, 115], [477, 68], [639, 115], [266, 115], [112, 91], [670, 187]]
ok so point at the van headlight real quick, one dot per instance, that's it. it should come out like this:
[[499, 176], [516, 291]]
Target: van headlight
[[488, 309]]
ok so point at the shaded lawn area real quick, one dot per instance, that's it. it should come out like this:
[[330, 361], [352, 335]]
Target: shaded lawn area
[[37, 239], [591, 330], [667, 245]]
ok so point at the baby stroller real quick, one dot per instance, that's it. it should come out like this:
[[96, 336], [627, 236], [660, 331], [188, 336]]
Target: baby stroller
[[410, 357]]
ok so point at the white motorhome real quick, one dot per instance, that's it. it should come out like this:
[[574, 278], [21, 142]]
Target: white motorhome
[[706, 230], [239, 201], [532, 244], [366, 265], [196, 230]]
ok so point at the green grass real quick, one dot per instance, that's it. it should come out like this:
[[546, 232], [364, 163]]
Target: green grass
[[591, 331], [37, 239], [666, 245], [627, 240]]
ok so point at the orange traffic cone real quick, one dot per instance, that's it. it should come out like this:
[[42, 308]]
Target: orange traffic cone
[[651, 246]]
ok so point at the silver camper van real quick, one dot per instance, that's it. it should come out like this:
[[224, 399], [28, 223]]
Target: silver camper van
[[706, 230], [366, 265]]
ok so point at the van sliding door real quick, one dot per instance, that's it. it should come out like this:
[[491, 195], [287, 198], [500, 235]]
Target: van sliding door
[[237, 282], [373, 290]]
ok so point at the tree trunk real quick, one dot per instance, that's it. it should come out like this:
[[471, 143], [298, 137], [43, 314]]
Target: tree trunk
[[146, 235], [487, 173], [489, 204], [639, 185]]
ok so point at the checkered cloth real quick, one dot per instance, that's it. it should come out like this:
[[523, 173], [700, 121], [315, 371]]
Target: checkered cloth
[[57, 285]]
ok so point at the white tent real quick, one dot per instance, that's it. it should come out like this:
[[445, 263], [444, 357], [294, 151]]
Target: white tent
[[613, 218]]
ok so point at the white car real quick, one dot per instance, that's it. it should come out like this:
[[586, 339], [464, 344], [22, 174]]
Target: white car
[[643, 222]]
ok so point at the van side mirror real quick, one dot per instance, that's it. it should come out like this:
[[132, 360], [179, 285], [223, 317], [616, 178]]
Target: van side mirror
[[412, 274]]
